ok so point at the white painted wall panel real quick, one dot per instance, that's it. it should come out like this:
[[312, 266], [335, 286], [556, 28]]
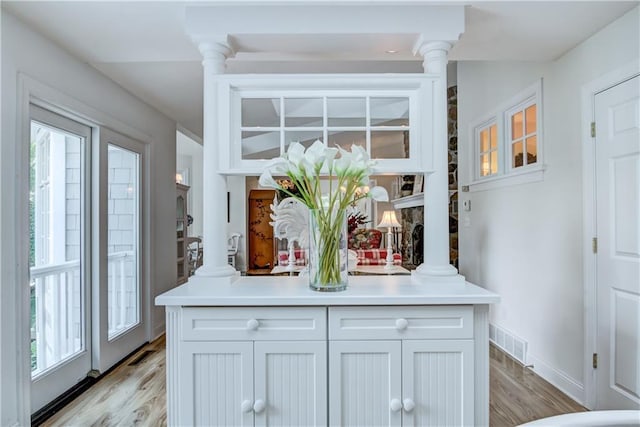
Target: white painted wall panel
[[524, 242]]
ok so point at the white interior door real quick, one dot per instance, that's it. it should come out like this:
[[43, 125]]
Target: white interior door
[[617, 115], [60, 309], [120, 288]]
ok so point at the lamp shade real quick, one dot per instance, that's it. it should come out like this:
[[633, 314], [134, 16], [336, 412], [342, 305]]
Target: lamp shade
[[389, 220]]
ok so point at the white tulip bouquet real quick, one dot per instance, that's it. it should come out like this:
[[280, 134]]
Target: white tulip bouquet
[[348, 174]]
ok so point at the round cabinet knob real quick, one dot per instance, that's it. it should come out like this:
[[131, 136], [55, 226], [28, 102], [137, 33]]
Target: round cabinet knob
[[259, 406], [408, 405], [246, 406], [252, 325], [395, 405], [402, 324]]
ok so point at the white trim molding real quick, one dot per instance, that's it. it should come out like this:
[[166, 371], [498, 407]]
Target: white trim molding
[[561, 380], [589, 230]]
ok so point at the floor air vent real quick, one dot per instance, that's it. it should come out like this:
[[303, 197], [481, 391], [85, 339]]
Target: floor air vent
[[510, 343]]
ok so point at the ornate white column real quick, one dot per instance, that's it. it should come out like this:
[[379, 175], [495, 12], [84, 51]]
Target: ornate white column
[[214, 203], [436, 266]]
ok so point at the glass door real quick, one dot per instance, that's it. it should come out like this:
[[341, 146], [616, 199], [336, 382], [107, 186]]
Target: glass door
[[58, 254], [121, 327]]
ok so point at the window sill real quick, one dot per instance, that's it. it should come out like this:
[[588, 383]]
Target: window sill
[[523, 177]]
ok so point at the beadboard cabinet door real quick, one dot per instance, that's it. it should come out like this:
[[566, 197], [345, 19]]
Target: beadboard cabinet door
[[365, 383], [291, 381], [217, 386], [437, 383]]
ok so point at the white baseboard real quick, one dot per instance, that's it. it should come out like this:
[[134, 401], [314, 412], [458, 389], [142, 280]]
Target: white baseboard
[[563, 382]]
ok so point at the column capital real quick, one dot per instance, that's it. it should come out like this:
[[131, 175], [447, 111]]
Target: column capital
[[215, 53], [434, 54]]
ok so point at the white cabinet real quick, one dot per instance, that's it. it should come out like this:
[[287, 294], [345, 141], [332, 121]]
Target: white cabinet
[[364, 381], [419, 372], [235, 373], [336, 366]]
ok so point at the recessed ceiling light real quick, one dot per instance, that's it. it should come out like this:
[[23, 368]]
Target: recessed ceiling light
[[391, 51]]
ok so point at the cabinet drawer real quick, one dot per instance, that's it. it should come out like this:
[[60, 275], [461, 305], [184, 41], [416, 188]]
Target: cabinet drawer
[[405, 322], [254, 323]]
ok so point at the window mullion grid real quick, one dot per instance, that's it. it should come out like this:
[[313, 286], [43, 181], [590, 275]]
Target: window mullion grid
[[325, 121], [367, 123], [282, 114]]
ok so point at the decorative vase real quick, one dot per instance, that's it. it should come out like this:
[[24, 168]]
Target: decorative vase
[[328, 252]]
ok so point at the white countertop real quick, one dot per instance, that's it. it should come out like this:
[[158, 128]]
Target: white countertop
[[295, 291]]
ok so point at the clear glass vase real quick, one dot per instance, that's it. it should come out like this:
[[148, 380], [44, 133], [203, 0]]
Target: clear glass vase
[[328, 252]]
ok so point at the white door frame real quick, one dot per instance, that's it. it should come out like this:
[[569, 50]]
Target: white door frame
[[16, 332], [589, 229]]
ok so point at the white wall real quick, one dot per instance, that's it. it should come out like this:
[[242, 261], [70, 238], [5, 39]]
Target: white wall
[[525, 241], [88, 93]]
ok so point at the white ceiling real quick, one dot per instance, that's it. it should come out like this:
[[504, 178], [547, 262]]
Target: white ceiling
[[143, 45]]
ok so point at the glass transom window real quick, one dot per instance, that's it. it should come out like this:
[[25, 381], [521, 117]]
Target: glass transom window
[[380, 124]]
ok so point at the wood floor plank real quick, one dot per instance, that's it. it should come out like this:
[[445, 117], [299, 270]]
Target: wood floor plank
[[136, 395], [518, 395], [128, 396]]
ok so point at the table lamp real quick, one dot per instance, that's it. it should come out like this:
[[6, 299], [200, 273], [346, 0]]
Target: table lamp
[[389, 220]]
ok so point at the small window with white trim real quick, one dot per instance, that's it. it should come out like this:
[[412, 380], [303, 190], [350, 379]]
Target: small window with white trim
[[487, 149], [522, 134], [507, 142]]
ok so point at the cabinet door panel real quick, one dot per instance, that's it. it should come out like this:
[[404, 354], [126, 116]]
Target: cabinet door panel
[[291, 378], [217, 378], [364, 377], [438, 378]]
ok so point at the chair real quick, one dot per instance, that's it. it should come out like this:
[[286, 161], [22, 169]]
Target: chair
[[232, 248], [194, 253]]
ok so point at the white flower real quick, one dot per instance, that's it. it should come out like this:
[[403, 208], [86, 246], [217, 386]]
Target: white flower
[[266, 180]]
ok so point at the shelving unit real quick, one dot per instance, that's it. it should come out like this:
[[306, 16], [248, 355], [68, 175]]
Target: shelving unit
[[181, 233]]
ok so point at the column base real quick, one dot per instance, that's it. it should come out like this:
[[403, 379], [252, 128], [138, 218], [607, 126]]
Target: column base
[[221, 274], [431, 274]]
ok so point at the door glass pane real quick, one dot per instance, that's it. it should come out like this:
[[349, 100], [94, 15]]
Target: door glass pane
[[389, 111], [122, 240], [392, 144], [346, 111], [303, 112], [56, 206]]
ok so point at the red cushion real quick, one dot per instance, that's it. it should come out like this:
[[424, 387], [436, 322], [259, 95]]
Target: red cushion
[[376, 257], [301, 257]]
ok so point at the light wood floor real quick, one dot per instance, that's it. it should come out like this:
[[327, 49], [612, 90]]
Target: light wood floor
[[134, 395]]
